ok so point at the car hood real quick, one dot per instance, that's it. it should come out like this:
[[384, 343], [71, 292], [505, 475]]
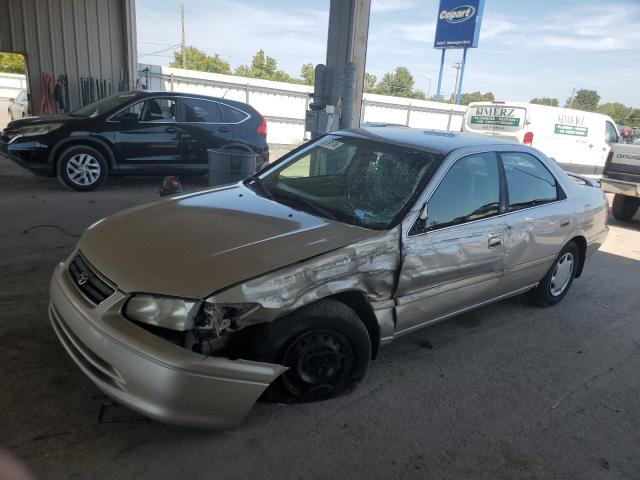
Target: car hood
[[193, 245], [30, 121]]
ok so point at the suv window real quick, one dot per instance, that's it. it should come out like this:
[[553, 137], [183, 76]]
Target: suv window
[[611, 135], [529, 182], [231, 114], [153, 110], [470, 190], [201, 111]]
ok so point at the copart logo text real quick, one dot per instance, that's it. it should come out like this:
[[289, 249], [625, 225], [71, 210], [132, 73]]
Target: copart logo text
[[458, 14]]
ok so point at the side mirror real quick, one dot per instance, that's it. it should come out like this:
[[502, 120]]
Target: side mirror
[[12, 100], [128, 117], [424, 213], [420, 225]]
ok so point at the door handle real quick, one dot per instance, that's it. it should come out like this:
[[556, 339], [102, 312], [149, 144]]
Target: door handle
[[565, 223], [495, 241], [224, 129], [590, 146], [171, 130]]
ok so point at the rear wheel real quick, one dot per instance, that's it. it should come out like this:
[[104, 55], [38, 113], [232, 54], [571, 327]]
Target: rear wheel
[[325, 346], [624, 208], [558, 280], [82, 168]]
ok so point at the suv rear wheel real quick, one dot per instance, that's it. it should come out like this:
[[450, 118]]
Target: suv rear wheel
[[624, 208], [82, 168]]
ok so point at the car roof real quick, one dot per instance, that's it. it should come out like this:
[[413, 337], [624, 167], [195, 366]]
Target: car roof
[[161, 93], [436, 141]]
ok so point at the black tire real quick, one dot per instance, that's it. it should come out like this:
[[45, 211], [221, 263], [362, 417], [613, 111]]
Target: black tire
[[548, 292], [82, 168], [624, 208], [326, 347]]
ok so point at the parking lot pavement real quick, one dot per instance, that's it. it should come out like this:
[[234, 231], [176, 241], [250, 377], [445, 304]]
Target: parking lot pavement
[[510, 391]]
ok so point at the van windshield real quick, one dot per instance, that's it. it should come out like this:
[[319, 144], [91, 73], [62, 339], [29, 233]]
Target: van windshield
[[495, 118], [352, 180]]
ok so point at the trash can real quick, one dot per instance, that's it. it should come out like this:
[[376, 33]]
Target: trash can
[[230, 167]]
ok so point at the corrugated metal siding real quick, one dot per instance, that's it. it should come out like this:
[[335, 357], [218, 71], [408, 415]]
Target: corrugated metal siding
[[80, 38]]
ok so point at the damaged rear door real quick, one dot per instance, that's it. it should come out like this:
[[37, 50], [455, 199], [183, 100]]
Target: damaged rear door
[[453, 255]]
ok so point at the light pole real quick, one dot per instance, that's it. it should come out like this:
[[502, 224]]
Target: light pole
[[428, 86]]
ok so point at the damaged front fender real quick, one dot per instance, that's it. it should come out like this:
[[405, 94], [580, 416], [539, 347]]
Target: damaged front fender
[[369, 267]]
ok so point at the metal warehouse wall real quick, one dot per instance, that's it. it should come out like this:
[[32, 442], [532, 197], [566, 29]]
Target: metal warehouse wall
[[80, 38]]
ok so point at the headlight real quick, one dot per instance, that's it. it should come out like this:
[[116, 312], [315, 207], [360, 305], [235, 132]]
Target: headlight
[[166, 312], [36, 130]]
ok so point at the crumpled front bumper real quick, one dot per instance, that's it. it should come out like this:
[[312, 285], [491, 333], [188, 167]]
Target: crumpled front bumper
[[149, 374]]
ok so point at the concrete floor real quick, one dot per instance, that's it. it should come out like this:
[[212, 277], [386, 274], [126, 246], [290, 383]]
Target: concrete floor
[[510, 391]]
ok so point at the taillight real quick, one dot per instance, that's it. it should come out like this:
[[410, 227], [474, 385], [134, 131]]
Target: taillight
[[262, 128], [607, 162], [528, 138]]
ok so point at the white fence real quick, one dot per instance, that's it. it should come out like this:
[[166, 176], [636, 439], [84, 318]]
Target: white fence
[[284, 104], [11, 84]]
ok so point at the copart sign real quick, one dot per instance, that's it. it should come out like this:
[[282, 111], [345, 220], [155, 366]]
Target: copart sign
[[458, 23]]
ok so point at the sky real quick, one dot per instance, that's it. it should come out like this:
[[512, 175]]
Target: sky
[[527, 48]]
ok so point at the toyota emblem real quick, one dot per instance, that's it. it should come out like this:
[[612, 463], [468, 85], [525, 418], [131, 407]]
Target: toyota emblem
[[83, 278]]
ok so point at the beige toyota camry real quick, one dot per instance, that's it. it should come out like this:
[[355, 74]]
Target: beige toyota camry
[[285, 285]]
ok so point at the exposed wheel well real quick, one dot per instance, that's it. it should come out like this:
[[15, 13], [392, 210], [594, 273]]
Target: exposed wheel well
[[99, 146], [356, 302], [581, 242]]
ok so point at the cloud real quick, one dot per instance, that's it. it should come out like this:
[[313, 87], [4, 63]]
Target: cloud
[[391, 5], [598, 27], [236, 31]]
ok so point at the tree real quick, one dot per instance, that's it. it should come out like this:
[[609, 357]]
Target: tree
[[370, 83], [196, 59], [467, 98], [398, 83], [263, 66], [584, 100], [12, 63], [552, 102], [308, 74], [621, 114]]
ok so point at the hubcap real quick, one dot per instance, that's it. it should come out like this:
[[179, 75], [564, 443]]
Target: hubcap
[[83, 169], [562, 274], [317, 360]]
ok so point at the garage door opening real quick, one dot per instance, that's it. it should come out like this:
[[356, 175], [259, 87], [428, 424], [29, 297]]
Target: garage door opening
[[14, 95]]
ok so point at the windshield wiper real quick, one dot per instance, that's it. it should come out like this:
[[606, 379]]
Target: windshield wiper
[[314, 207], [257, 181]]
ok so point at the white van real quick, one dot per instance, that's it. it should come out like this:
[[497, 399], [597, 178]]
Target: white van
[[578, 141]]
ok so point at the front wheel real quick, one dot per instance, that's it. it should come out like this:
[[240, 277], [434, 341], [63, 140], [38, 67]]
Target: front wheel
[[325, 346], [82, 168], [558, 280], [624, 208]]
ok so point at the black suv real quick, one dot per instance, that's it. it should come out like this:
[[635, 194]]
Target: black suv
[[135, 133]]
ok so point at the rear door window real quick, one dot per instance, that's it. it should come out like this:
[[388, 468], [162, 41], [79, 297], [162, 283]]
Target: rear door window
[[529, 183], [201, 111]]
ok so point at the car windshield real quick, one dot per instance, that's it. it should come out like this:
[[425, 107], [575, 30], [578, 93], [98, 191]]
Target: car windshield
[[103, 106], [353, 180]]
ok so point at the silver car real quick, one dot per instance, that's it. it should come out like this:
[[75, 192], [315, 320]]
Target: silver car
[[285, 285], [19, 106]]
